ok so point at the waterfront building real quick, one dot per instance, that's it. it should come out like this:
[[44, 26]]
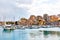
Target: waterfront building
[[54, 20], [39, 17], [22, 21], [36, 20], [33, 18], [59, 21], [46, 17], [58, 15], [41, 22], [1, 23], [30, 22]]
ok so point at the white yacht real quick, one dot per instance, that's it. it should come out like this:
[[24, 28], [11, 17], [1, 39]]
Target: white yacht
[[10, 27]]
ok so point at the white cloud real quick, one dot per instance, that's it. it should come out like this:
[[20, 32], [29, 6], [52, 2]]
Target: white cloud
[[39, 7], [24, 1], [28, 7]]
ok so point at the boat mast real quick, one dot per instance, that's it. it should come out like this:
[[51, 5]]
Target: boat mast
[[14, 20]]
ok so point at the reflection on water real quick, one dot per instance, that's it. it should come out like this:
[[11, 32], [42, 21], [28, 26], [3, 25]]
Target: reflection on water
[[47, 32], [33, 34], [29, 34], [13, 34], [44, 35], [7, 30]]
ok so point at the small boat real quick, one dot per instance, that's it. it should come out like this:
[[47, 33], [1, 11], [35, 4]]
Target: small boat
[[9, 27]]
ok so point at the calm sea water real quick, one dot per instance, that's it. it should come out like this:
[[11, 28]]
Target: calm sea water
[[28, 34]]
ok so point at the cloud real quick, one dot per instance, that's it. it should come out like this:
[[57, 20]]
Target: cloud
[[25, 8], [40, 7], [24, 1], [8, 10]]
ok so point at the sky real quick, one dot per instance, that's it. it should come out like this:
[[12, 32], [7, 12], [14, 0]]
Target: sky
[[16, 9]]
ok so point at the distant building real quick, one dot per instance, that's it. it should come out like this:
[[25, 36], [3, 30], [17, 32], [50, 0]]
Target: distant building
[[59, 21], [54, 20], [41, 22], [39, 17], [45, 17], [1, 23], [23, 21], [33, 18], [58, 15], [30, 22]]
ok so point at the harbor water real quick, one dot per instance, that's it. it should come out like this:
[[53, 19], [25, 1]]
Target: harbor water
[[28, 34]]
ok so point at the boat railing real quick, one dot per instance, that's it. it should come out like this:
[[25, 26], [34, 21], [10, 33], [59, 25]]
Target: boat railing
[[30, 27], [36, 26]]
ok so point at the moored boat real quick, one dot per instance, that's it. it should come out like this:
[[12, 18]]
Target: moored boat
[[9, 27]]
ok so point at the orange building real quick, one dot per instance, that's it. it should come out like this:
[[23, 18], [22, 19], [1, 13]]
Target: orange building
[[1, 23], [32, 17], [39, 17], [41, 22], [53, 18], [23, 21], [30, 22]]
